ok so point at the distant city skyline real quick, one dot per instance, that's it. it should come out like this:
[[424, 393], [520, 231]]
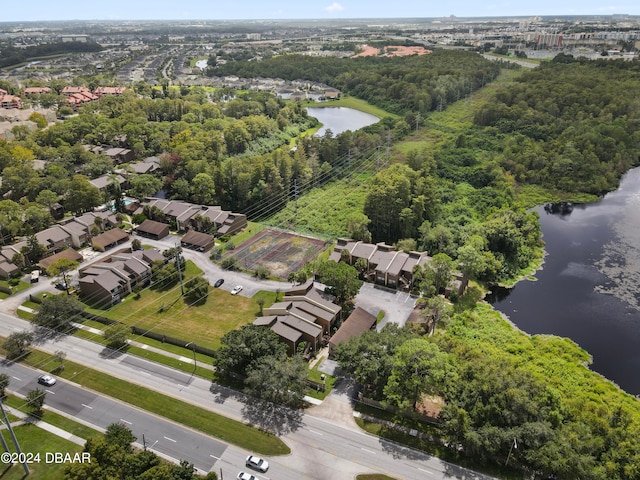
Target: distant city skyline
[[45, 10]]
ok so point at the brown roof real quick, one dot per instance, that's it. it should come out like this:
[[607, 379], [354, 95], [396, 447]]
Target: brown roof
[[198, 238], [358, 322], [69, 253], [152, 227], [110, 236]]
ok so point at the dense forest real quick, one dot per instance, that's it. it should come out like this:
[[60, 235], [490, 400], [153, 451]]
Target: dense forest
[[14, 56], [416, 84], [570, 124]]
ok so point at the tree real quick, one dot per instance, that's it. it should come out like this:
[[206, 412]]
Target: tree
[[260, 303], [341, 279], [241, 349], [438, 273], [369, 358], [81, 195], [33, 251], [58, 312], [136, 244], [357, 224], [144, 185], [35, 401], [4, 383], [277, 380], [17, 344], [60, 270], [196, 290], [435, 311], [59, 357], [203, 190], [419, 367], [116, 336]]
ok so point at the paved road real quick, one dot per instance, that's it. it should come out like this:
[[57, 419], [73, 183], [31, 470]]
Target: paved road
[[321, 449], [160, 435]]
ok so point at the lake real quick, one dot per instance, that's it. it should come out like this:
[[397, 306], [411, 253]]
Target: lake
[[340, 119], [589, 287]]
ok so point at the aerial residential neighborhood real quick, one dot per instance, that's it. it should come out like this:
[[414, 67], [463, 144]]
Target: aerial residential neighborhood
[[305, 248]]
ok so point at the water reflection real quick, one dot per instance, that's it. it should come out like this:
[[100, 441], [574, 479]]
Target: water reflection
[[587, 289]]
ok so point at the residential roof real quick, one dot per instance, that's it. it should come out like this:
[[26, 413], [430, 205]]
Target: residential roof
[[114, 235], [68, 253], [358, 322], [286, 332], [198, 238], [52, 235], [105, 278], [152, 227]]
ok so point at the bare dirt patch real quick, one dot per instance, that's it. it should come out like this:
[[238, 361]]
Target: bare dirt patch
[[280, 252], [391, 51]]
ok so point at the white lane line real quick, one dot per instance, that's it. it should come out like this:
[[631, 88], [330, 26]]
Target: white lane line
[[49, 391], [144, 373], [317, 433], [425, 471], [124, 421], [171, 439], [86, 406], [19, 379], [368, 451], [213, 456]]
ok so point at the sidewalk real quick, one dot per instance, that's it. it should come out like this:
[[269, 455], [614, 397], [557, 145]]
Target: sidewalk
[[26, 419]]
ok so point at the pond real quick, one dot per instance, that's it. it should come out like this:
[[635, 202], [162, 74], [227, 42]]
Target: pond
[[588, 289], [340, 119]]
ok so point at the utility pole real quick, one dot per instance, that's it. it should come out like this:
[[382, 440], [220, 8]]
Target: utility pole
[[15, 440], [179, 267]]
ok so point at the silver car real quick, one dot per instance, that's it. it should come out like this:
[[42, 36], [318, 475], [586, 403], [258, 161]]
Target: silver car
[[257, 463], [246, 476], [47, 380]]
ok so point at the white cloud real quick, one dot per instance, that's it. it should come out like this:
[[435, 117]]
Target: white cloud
[[334, 7]]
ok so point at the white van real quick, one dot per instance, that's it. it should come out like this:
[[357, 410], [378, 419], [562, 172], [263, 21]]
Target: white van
[[35, 276]]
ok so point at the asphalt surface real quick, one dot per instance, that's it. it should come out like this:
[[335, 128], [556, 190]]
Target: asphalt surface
[[321, 449]]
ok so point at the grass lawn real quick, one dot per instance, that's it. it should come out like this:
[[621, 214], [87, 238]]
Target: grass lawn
[[180, 412], [53, 418], [165, 312], [14, 288], [35, 440]]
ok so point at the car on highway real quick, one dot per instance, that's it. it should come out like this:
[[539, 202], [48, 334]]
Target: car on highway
[[246, 476], [236, 290], [46, 380], [257, 463], [219, 282]]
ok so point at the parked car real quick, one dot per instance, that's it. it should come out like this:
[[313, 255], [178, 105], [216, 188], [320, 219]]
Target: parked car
[[246, 476], [47, 380], [236, 290], [257, 463], [60, 286], [219, 282]]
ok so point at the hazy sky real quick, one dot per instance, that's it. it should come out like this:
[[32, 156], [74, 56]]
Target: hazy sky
[[36, 10]]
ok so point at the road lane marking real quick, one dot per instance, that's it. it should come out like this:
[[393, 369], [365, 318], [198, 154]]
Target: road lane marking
[[49, 391], [213, 456], [145, 373], [19, 379], [317, 433], [171, 439], [425, 471], [124, 421], [369, 451], [86, 406]]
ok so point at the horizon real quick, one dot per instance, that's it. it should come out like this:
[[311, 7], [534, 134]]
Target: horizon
[[288, 10]]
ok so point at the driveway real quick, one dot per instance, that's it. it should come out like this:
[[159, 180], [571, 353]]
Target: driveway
[[396, 305]]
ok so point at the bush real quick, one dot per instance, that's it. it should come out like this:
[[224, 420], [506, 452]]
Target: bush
[[229, 263], [138, 218], [262, 272]]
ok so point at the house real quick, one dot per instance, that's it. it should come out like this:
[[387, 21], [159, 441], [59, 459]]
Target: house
[[109, 280], [10, 101], [331, 93], [119, 155], [54, 239], [201, 242], [153, 229], [36, 90], [7, 267], [383, 264], [116, 91], [186, 215], [69, 254], [303, 315], [355, 325], [105, 183], [109, 239]]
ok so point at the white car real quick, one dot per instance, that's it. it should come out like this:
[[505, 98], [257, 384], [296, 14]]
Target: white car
[[236, 290], [246, 476], [47, 380], [257, 463]]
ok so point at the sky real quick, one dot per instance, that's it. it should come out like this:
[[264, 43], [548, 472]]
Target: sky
[[39, 10]]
